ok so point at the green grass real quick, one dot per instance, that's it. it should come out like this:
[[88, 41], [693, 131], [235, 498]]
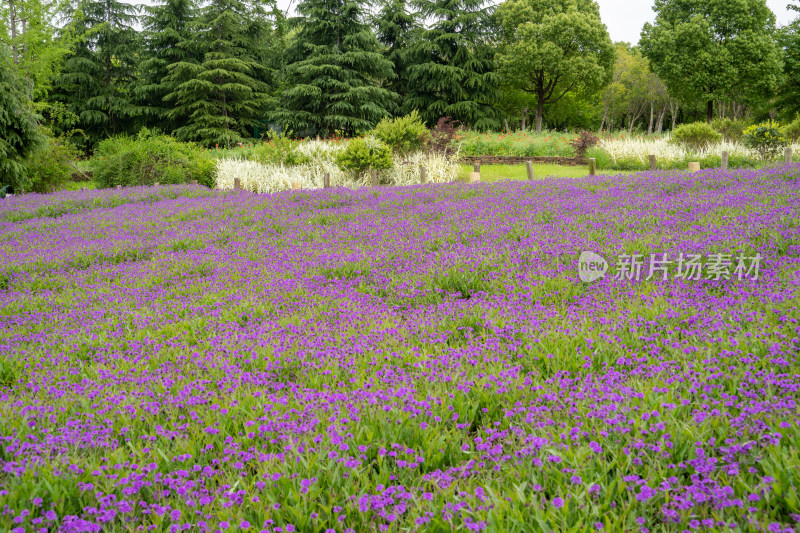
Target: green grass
[[493, 173], [78, 185], [489, 173]]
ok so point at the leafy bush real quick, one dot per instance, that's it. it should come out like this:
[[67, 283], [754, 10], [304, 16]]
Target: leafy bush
[[765, 138], [731, 130], [403, 134], [792, 130], [696, 136], [50, 166], [365, 154], [278, 150], [583, 142], [149, 158]]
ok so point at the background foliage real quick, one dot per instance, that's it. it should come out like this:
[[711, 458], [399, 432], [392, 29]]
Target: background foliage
[[227, 73]]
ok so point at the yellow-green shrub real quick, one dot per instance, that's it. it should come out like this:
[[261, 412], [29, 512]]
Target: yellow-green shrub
[[365, 154], [765, 138], [403, 134]]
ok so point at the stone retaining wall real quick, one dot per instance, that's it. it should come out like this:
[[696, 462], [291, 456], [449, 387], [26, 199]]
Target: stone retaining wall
[[516, 160]]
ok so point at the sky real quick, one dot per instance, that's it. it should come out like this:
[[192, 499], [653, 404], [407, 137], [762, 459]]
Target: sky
[[625, 18]]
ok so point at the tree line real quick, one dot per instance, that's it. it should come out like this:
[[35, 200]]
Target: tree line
[[221, 72]]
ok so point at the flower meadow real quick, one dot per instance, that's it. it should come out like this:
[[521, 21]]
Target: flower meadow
[[418, 358]]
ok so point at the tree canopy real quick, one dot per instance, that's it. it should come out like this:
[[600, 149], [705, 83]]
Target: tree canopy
[[789, 42], [220, 90], [19, 132], [95, 81], [395, 28], [223, 72], [554, 47], [452, 64], [708, 50], [167, 41], [335, 72]]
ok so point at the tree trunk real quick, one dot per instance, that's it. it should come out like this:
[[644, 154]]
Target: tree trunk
[[673, 111], [24, 44], [603, 121], [710, 111], [505, 121], [524, 119], [632, 122], [660, 121], [12, 13], [738, 110], [652, 116], [539, 115]]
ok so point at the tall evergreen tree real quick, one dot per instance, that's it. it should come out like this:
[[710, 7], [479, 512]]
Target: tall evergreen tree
[[452, 64], [166, 35], [395, 27], [335, 72], [19, 133], [95, 81], [225, 93]]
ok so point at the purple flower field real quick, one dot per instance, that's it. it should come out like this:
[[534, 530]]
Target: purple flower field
[[402, 359]]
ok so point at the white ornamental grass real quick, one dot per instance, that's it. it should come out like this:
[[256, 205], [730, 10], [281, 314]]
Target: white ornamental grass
[[261, 178], [638, 149], [321, 150], [440, 168]]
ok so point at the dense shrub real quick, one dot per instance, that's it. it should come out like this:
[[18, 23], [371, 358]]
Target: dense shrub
[[278, 150], [583, 142], [50, 166], [365, 154], [696, 136], [149, 158], [792, 131], [731, 130], [403, 134], [765, 138]]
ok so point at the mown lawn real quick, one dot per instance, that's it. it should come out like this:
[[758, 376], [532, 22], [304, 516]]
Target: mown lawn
[[493, 173]]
